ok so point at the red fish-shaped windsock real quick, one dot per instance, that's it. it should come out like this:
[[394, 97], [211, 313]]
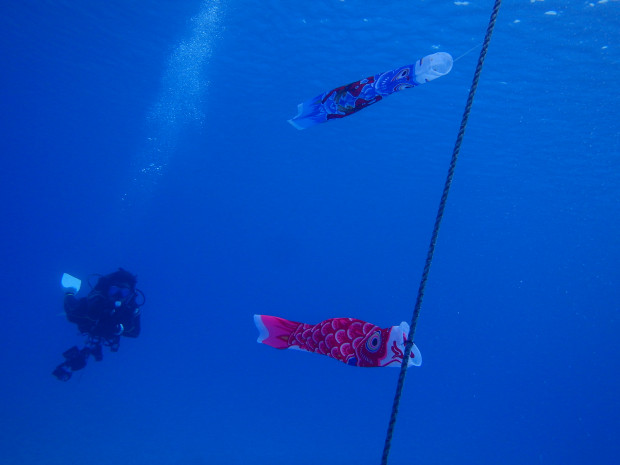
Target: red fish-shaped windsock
[[354, 342]]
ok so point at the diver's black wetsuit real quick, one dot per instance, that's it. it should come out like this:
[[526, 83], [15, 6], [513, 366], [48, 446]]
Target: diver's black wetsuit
[[108, 312], [98, 316]]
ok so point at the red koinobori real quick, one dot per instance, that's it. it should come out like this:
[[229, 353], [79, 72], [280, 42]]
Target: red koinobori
[[351, 341]]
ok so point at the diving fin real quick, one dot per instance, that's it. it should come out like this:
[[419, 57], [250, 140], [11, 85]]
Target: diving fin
[[70, 283]]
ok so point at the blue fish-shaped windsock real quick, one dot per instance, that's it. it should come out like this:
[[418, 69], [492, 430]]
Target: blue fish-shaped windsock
[[345, 100]]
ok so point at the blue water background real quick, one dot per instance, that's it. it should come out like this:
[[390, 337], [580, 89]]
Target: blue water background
[[153, 136]]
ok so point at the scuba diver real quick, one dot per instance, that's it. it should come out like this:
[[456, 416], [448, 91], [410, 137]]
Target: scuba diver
[[110, 310]]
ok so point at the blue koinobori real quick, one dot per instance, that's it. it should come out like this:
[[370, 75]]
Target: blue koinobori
[[345, 100]]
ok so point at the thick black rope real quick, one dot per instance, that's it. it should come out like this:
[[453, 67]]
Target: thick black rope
[[431, 248]]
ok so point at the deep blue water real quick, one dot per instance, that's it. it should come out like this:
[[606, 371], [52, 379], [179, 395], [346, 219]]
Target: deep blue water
[[153, 136]]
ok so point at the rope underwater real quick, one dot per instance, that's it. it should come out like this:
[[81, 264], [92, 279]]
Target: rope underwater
[[431, 248]]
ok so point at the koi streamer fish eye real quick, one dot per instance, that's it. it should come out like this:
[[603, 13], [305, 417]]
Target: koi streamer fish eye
[[374, 343], [403, 74]]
